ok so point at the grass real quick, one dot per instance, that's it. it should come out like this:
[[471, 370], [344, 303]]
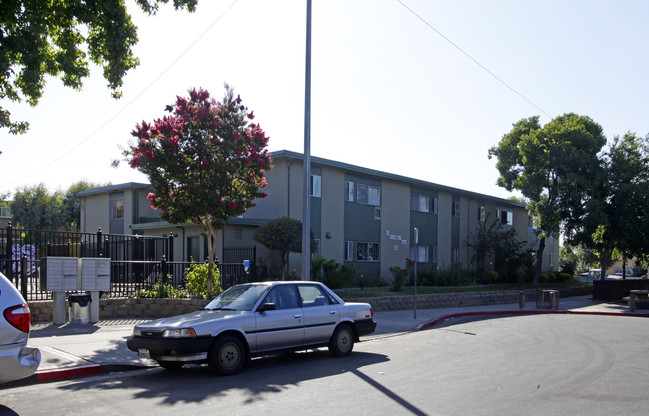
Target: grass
[[426, 290]]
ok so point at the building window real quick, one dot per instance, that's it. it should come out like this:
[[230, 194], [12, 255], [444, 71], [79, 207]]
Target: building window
[[551, 260], [422, 254], [505, 217], [5, 212], [116, 209], [481, 214], [349, 251], [455, 255], [349, 191], [377, 213], [367, 251], [433, 254], [455, 208], [367, 194], [419, 203], [316, 186]]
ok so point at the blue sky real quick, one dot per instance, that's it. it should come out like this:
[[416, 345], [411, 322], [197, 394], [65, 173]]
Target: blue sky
[[388, 91]]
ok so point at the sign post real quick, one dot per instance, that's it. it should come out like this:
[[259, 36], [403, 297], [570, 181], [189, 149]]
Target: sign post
[[415, 260], [246, 268]]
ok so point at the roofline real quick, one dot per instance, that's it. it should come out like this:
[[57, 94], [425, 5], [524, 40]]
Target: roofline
[[385, 175], [110, 188], [256, 222]]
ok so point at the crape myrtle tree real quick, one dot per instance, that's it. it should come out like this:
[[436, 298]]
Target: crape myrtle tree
[[60, 39], [205, 161], [552, 166]]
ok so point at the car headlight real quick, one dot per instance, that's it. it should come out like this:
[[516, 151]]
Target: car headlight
[[137, 332], [179, 333]]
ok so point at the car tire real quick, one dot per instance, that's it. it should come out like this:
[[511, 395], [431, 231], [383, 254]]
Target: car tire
[[342, 341], [227, 355], [171, 365]]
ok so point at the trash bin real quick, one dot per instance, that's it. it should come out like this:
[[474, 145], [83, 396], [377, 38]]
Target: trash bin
[[79, 308]]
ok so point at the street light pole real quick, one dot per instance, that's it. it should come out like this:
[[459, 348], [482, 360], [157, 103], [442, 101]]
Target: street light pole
[[306, 217]]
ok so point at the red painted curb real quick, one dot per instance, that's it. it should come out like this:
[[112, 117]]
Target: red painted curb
[[433, 322], [66, 373]]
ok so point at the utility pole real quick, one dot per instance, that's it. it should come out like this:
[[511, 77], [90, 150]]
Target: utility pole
[[306, 218]]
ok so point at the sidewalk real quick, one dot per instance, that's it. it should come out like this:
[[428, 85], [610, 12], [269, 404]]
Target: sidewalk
[[75, 350]]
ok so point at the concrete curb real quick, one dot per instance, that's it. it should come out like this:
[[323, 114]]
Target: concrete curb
[[436, 321]]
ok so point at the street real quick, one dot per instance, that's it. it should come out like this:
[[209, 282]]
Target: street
[[521, 365]]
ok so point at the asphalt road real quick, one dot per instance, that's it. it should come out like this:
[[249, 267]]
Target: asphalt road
[[522, 365]]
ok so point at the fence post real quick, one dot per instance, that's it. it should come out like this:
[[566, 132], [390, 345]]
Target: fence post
[[170, 247], [164, 269], [23, 275], [9, 248], [100, 240]]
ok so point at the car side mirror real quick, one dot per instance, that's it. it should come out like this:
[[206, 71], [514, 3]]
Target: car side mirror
[[267, 307]]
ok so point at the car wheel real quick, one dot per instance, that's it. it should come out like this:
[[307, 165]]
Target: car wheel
[[342, 341], [227, 355], [171, 365]]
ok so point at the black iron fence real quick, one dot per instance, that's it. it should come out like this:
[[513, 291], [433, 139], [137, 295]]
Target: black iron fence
[[137, 262]]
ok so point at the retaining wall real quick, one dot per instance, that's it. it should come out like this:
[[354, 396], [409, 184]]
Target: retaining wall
[[41, 311]]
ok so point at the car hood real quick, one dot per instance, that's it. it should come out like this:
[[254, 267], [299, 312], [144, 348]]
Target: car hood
[[193, 320]]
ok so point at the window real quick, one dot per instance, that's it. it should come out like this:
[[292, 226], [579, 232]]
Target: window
[[377, 213], [481, 214], [349, 251], [419, 203], [551, 260], [367, 194], [367, 251], [456, 208], [433, 254], [314, 296], [116, 209], [5, 212], [349, 191], [422, 254], [284, 297], [505, 217], [455, 255], [316, 186]]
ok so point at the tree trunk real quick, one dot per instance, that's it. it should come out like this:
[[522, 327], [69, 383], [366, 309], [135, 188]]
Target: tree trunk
[[605, 260], [210, 233], [539, 261]]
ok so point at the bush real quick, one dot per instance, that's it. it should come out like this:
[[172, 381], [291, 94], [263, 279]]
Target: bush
[[316, 265], [372, 281], [544, 278], [161, 290], [196, 279], [398, 277], [338, 276]]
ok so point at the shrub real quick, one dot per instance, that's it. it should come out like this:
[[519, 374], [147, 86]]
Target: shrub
[[161, 290], [398, 277], [338, 276], [316, 265], [544, 278], [196, 279]]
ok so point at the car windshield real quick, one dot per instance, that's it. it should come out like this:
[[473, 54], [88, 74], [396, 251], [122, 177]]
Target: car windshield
[[237, 298]]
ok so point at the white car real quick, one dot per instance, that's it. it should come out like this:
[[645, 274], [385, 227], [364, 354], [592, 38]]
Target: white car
[[251, 320], [17, 360]]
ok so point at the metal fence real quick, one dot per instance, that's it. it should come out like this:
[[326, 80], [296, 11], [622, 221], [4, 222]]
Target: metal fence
[[137, 262]]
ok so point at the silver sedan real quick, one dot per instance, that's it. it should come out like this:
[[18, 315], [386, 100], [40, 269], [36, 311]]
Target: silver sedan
[[255, 319]]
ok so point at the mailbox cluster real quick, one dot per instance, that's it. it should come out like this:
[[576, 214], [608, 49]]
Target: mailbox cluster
[[70, 274]]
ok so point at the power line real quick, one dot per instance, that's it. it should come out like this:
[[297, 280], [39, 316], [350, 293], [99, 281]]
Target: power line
[[472, 58], [114, 116]]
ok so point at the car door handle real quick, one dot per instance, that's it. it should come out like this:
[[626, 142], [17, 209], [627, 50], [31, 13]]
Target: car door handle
[[332, 312], [297, 316]]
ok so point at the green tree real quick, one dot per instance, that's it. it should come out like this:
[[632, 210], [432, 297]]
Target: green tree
[[616, 223], [60, 39], [551, 166], [283, 234], [205, 161], [35, 208]]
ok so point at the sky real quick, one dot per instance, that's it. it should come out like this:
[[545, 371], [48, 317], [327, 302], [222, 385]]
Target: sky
[[418, 88]]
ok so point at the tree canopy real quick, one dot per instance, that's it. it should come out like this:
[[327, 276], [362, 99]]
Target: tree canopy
[[205, 160], [283, 234], [552, 166], [60, 39]]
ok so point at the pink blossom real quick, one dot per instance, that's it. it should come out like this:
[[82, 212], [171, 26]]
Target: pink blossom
[[174, 140], [251, 115], [238, 100], [204, 162], [237, 135], [233, 206], [263, 195]]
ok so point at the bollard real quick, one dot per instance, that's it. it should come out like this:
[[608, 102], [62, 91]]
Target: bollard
[[521, 300], [554, 300], [632, 301]]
